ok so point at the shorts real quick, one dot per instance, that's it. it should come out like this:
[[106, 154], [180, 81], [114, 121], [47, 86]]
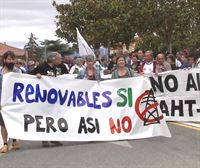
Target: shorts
[[1, 120]]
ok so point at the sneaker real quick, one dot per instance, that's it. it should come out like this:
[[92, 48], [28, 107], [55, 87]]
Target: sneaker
[[16, 145], [57, 143], [4, 149], [45, 144]]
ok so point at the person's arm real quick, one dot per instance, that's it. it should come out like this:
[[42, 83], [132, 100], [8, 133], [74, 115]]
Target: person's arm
[[168, 67], [64, 69], [198, 63], [80, 74], [114, 74], [72, 70], [98, 74], [131, 72], [35, 71]]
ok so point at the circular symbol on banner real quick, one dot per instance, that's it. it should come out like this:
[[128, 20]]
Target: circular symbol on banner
[[146, 108]]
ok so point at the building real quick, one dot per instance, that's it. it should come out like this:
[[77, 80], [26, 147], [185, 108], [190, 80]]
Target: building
[[20, 53]]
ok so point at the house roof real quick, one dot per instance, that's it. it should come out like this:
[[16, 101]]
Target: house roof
[[18, 52]]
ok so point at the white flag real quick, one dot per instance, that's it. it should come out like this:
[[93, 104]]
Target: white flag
[[84, 48]]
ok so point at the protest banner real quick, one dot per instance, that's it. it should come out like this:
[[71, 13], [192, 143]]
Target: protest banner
[[80, 110], [178, 93]]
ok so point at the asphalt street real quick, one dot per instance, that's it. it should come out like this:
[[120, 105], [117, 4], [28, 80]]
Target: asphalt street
[[180, 151]]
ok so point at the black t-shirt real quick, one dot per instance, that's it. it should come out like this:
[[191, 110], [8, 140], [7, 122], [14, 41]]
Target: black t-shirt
[[46, 69], [61, 69], [111, 65]]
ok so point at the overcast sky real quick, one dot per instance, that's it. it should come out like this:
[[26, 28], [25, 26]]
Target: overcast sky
[[18, 18]]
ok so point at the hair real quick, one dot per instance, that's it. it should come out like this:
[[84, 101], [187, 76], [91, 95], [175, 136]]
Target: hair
[[103, 58], [19, 61], [141, 50], [172, 57], [113, 55], [89, 58], [134, 54], [78, 59], [6, 55], [65, 53], [120, 57], [51, 56], [160, 53], [194, 54], [31, 62], [179, 52], [150, 52]]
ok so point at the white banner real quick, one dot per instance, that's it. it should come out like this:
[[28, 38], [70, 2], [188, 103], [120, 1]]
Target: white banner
[[80, 110], [178, 93]]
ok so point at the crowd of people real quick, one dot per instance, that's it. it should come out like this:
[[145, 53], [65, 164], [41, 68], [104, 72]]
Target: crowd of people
[[119, 65]]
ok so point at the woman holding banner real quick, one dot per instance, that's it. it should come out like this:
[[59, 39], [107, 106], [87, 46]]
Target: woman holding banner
[[90, 72], [122, 71]]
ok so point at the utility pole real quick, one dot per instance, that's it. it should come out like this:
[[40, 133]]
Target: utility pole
[[45, 51]]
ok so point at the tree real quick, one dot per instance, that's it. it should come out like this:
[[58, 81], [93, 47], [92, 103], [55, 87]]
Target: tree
[[33, 48], [195, 24], [163, 24], [170, 20], [98, 21], [53, 45]]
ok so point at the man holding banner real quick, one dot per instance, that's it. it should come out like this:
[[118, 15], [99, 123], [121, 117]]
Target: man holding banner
[[8, 60], [51, 68]]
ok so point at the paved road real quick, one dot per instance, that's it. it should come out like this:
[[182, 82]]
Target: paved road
[[180, 151]]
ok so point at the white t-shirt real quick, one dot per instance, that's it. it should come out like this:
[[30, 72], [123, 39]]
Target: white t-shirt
[[178, 63], [73, 68], [148, 68]]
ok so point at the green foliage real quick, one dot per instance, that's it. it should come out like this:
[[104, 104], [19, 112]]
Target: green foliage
[[33, 48], [176, 23], [54, 45], [38, 51]]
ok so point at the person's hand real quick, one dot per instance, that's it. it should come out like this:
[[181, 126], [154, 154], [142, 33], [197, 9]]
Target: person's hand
[[39, 76], [141, 73], [106, 72]]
